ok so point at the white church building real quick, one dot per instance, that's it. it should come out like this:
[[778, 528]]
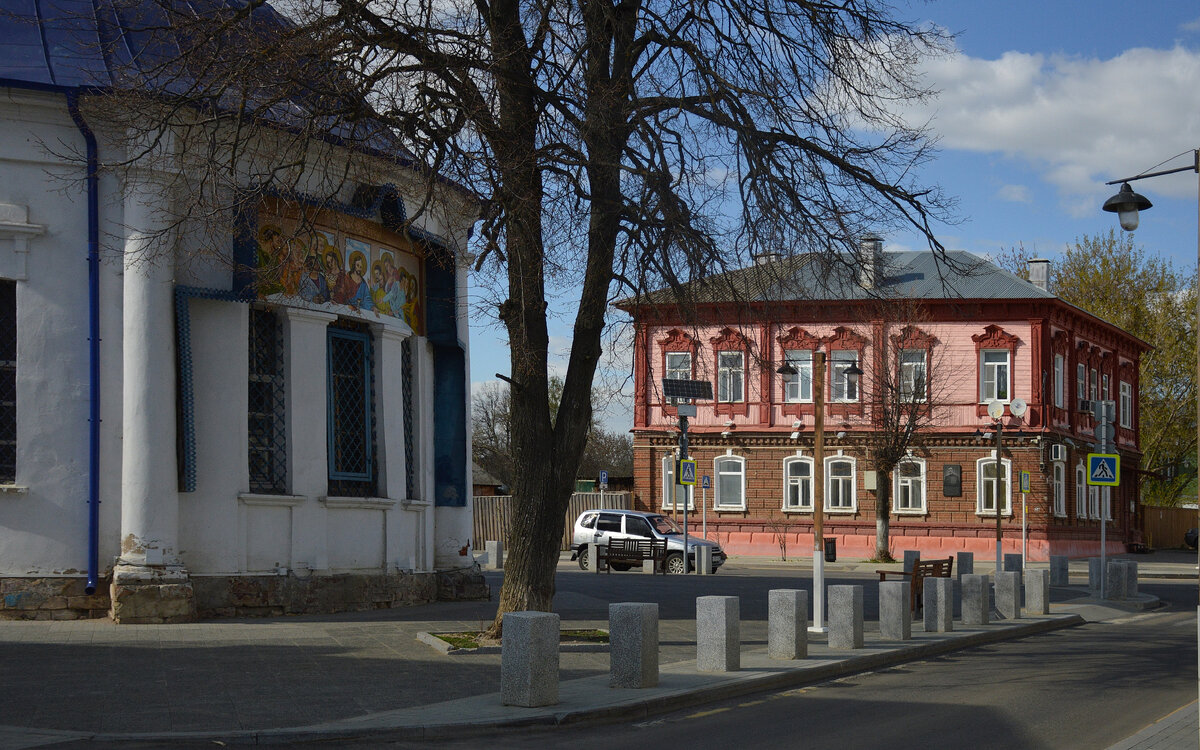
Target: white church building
[[280, 429]]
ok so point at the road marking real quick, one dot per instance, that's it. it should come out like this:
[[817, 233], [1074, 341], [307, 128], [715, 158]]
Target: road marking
[[702, 714], [751, 703]]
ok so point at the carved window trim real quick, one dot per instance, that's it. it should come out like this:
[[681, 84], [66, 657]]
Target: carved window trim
[[729, 340]]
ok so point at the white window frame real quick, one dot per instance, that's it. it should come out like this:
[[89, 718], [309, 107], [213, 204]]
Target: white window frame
[[988, 371], [1093, 385], [726, 374], [1106, 499], [719, 502], [1059, 382], [1058, 486], [853, 484], [1126, 405], [1080, 491], [668, 486], [1080, 381], [1093, 501], [840, 361], [801, 507], [912, 390], [677, 372], [898, 483], [794, 385], [981, 482], [1105, 387]]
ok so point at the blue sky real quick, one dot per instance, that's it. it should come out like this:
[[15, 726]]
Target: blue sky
[[1041, 104]]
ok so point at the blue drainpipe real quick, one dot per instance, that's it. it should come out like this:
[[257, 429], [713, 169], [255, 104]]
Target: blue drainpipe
[[93, 260]]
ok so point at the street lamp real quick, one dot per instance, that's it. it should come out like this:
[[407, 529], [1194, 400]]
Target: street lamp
[[1126, 205]]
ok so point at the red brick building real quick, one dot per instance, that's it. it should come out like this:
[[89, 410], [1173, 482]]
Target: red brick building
[[970, 333]]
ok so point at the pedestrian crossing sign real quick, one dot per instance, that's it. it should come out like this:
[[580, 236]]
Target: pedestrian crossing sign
[[685, 472], [1104, 469]]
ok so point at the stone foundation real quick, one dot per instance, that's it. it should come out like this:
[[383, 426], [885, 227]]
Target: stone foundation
[[233, 596]]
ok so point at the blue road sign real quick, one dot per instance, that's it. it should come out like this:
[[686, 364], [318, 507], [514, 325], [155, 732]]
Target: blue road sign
[[706, 482], [603, 477], [686, 473], [1104, 469]]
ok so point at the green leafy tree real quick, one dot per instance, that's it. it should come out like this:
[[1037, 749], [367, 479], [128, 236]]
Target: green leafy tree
[[1115, 279]]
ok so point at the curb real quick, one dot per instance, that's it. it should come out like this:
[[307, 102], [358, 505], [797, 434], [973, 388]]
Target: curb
[[728, 685], [437, 644]]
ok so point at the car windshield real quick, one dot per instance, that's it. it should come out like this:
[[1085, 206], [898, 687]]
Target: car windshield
[[664, 525]]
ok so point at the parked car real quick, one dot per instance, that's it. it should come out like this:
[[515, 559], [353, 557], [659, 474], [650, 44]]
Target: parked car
[[599, 526]]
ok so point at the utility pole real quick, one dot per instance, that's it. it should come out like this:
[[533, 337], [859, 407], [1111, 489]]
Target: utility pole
[[818, 625]]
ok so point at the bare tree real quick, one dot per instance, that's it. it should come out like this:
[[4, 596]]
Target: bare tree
[[618, 146]]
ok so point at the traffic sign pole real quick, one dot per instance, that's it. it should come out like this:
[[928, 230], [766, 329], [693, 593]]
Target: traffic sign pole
[[1024, 525]]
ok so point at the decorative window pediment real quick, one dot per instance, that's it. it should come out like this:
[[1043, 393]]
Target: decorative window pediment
[[995, 337], [911, 337], [15, 233], [845, 338], [798, 338], [677, 341], [727, 338]]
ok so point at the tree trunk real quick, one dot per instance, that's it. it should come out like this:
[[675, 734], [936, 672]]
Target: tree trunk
[[883, 491]]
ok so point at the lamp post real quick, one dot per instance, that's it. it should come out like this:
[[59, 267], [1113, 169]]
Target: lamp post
[[1126, 204]]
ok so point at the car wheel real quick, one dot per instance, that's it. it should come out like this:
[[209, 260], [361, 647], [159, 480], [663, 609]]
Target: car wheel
[[621, 566], [583, 557], [674, 564]]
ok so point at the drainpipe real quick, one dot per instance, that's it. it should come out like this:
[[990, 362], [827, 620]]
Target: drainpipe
[[93, 260]]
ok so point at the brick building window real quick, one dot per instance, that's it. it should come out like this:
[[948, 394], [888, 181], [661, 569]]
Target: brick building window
[[730, 472], [797, 483], [1059, 486], [1080, 491], [909, 490], [994, 369], [679, 365], [798, 387], [839, 484], [1126, 405], [731, 377], [843, 386], [672, 493], [991, 484], [1059, 381]]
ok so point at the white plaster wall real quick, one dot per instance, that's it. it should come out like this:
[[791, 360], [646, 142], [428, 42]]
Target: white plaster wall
[[43, 531]]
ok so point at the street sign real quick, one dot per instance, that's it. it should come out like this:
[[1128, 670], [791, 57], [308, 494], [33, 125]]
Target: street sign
[[685, 472], [706, 482], [1104, 469], [603, 477], [1024, 481]]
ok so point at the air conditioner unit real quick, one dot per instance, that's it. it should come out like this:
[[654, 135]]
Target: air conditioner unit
[[1058, 452]]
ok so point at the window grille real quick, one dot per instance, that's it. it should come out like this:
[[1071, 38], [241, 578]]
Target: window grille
[[8, 381], [406, 377], [351, 411], [267, 441]]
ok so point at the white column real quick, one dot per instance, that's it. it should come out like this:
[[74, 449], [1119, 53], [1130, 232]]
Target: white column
[[402, 548], [149, 480], [307, 429]]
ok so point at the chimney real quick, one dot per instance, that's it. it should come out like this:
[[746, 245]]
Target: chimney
[[870, 261], [1039, 273]]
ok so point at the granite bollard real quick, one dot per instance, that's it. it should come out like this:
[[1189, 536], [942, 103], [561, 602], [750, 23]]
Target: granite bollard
[[911, 556], [1114, 580], [1037, 592], [1013, 561], [787, 624], [649, 566], [1060, 571], [704, 560], [1008, 594], [633, 645], [495, 555], [845, 617], [529, 659], [965, 564], [895, 615], [1131, 578], [1094, 575], [718, 636], [594, 557], [939, 605], [975, 607]]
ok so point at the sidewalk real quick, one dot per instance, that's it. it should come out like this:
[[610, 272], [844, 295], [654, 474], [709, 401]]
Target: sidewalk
[[1178, 731], [366, 674]]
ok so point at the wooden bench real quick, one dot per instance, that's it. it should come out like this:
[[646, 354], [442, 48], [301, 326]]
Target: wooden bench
[[634, 551], [922, 569]]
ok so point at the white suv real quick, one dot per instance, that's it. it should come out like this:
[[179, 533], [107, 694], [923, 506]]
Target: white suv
[[599, 526]]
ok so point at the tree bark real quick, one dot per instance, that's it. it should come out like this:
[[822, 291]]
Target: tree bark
[[883, 492]]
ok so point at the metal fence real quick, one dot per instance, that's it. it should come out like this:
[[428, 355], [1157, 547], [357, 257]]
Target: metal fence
[[493, 514], [1165, 526]]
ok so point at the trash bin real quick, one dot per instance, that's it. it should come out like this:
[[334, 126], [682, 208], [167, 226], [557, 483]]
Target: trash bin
[[830, 550]]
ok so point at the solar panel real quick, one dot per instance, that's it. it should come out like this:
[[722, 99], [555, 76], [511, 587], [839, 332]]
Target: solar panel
[[688, 389]]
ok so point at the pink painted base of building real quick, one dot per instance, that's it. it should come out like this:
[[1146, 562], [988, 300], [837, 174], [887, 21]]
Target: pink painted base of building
[[850, 545]]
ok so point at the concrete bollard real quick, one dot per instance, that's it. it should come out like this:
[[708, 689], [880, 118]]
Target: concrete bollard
[[648, 566], [939, 605], [845, 617], [633, 645], [965, 564], [1037, 592], [787, 624], [1013, 562], [529, 659], [495, 555], [718, 636], [1008, 594], [1094, 575], [594, 557], [1060, 571], [911, 556], [1131, 578], [975, 603], [895, 616], [1114, 580], [704, 560]]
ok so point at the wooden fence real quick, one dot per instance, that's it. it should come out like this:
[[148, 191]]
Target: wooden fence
[[493, 514], [1164, 527]]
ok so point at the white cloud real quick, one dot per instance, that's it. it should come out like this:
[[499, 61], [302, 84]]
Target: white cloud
[[1193, 25], [1078, 121], [1015, 194]]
